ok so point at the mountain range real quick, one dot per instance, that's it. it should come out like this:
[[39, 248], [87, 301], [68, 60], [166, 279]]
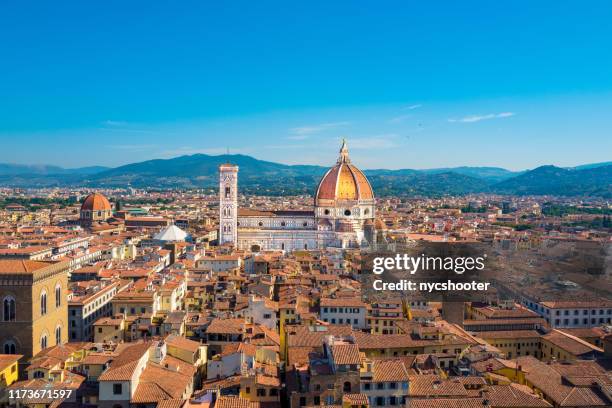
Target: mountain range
[[264, 177]]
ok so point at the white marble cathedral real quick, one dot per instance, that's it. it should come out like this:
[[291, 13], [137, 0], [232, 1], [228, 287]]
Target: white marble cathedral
[[343, 216]]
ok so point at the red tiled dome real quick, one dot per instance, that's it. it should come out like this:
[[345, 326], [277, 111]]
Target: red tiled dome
[[96, 202], [344, 181]]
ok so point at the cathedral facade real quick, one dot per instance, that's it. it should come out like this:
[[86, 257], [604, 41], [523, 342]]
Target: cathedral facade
[[343, 214]]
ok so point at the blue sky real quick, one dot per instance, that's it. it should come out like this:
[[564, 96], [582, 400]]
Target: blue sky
[[410, 84]]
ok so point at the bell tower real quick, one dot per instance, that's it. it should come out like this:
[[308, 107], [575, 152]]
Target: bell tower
[[228, 204]]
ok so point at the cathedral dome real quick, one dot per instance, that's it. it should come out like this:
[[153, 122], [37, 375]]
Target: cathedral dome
[[343, 182], [96, 202]]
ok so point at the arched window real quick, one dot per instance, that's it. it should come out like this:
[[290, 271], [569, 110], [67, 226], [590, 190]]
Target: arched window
[[10, 347], [347, 386], [43, 342], [58, 295], [43, 303], [58, 335], [9, 309]]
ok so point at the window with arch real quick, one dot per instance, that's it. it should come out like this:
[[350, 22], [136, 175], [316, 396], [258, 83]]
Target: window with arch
[[58, 295], [43, 341], [58, 335], [10, 347], [43, 303], [346, 387], [9, 309]]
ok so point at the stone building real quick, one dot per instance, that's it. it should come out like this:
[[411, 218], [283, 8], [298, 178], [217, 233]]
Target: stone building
[[34, 306]]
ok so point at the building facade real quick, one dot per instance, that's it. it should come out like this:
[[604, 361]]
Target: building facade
[[34, 306], [228, 203], [88, 306], [342, 217]]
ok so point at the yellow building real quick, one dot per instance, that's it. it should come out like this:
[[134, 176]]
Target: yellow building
[[560, 346], [9, 370], [109, 329], [514, 343], [34, 310], [133, 303]]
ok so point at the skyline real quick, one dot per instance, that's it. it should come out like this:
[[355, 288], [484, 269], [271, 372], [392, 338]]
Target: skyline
[[422, 87]]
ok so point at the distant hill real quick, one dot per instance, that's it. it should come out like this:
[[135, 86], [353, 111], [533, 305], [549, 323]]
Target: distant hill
[[593, 165], [43, 169], [487, 173], [264, 177], [274, 178], [588, 181]]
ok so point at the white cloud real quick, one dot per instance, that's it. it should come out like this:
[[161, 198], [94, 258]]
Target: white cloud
[[399, 119], [312, 129], [478, 118], [114, 123], [413, 107], [297, 137]]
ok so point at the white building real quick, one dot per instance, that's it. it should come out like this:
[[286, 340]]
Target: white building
[[228, 203], [261, 311], [219, 263], [342, 217], [567, 314], [344, 311]]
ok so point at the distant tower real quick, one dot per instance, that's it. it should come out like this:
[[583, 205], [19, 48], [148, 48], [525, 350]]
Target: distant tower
[[228, 204]]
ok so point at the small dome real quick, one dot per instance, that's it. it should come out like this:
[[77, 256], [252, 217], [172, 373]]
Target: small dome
[[96, 202], [344, 181]]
